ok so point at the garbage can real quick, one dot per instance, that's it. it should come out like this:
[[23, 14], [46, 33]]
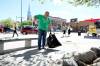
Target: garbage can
[[94, 34], [79, 33]]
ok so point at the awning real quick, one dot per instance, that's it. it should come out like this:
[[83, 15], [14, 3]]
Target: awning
[[90, 20]]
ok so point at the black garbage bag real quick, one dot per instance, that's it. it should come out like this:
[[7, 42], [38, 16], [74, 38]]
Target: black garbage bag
[[86, 57], [69, 62], [96, 50], [52, 41], [80, 63]]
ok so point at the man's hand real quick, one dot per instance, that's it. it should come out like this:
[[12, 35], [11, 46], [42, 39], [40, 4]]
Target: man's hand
[[35, 20]]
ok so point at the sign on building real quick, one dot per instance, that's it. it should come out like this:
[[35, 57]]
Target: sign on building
[[74, 20]]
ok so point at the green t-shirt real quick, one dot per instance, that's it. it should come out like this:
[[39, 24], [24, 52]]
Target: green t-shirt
[[43, 22]]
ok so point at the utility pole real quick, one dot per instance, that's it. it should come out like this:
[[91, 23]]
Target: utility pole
[[21, 13]]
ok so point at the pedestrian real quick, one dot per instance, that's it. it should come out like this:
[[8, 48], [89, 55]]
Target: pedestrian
[[79, 32], [64, 28], [43, 23], [14, 30], [69, 30]]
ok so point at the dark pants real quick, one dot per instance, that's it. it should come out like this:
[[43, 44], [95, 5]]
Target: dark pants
[[64, 31], [69, 32], [41, 38], [15, 32]]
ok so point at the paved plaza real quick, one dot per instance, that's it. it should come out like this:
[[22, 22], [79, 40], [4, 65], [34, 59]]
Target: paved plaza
[[34, 57]]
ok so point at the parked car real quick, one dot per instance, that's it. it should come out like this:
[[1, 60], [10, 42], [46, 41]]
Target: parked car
[[29, 30], [1, 29], [7, 29]]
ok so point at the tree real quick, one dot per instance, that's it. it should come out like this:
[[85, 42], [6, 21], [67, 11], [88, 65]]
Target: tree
[[7, 22], [85, 2], [43, 1], [26, 23], [78, 2]]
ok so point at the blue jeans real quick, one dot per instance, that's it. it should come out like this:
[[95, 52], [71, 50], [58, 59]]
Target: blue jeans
[[41, 38]]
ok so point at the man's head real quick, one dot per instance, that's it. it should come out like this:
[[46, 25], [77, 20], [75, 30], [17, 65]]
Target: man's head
[[46, 14]]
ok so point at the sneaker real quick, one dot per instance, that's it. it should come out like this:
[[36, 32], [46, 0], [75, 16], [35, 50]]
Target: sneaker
[[43, 48], [39, 48]]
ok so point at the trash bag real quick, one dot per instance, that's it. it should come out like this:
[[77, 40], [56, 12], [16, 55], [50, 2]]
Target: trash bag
[[95, 64], [80, 63], [52, 41], [96, 50], [86, 57], [69, 62], [97, 60]]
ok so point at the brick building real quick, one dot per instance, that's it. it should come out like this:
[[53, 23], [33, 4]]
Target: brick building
[[58, 22]]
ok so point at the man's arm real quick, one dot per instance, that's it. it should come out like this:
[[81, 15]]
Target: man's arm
[[37, 16]]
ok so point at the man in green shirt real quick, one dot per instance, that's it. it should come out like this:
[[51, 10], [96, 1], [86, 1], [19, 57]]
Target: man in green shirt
[[43, 23]]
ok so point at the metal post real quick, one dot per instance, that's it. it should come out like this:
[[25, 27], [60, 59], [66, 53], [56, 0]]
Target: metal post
[[28, 43], [1, 47]]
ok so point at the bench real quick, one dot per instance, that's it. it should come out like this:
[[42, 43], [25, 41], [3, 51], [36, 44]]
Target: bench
[[3, 40]]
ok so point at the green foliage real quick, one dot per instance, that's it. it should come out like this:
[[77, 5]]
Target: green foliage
[[85, 2], [7, 22], [78, 2], [43, 1], [25, 23]]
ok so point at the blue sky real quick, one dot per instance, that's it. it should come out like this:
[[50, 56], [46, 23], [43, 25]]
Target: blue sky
[[11, 8]]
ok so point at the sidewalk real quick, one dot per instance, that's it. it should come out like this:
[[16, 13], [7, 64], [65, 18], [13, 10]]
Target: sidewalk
[[33, 57]]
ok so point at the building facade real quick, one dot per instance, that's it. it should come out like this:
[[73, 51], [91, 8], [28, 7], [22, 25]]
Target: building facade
[[58, 22], [82, 25]]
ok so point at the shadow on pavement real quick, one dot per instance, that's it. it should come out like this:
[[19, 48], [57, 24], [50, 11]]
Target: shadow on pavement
[[48, 51], [91, 37], [27, 55]]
